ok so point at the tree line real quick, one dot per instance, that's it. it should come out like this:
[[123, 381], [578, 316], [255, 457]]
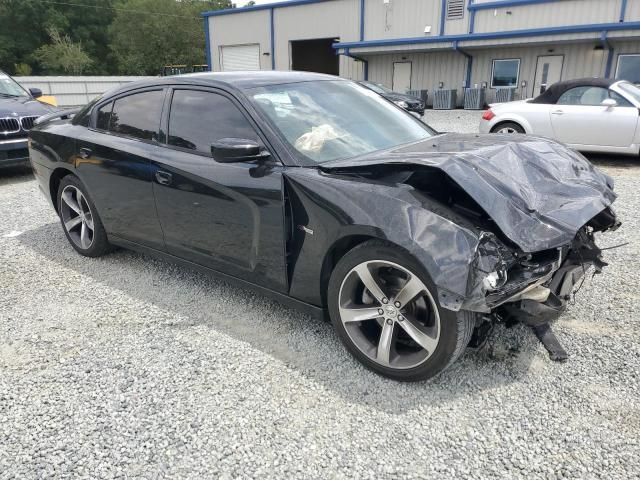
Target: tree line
[[101, 37]]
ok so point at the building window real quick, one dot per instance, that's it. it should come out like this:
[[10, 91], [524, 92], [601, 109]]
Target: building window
[[455, 9], [505, 73], [628, 68]]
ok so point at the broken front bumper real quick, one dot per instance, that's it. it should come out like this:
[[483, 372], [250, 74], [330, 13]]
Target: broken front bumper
[[534, 288]]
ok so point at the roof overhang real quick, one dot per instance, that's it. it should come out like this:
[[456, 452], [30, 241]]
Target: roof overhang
[[470, 40]]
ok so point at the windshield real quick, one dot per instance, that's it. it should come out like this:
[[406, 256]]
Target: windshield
[[10, 88], [630, 90], [335, 120]]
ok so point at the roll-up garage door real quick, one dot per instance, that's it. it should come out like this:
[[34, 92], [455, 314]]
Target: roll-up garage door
[[240, 57]]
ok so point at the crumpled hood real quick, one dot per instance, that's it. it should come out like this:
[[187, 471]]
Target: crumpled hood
[[22, 107], [537, 191]]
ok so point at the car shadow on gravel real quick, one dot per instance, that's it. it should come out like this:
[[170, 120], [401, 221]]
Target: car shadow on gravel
[[188, 299], [613, 161]]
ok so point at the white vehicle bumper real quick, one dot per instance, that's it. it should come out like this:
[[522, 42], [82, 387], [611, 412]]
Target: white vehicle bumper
[[485, 126]]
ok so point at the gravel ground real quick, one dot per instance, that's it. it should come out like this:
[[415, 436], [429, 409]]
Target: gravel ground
[[126, 366]]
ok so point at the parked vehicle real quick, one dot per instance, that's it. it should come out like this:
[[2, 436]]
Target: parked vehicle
[[408, 102], [316, 191], [18, 110], [589, 114]]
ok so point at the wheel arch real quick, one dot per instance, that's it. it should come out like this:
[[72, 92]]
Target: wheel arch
[[54, 183], [502, 119], [341, 247]]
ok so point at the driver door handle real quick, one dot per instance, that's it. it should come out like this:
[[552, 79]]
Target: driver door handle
[[163, 178], [557, 112]]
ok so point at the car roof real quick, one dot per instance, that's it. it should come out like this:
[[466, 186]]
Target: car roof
[[553, 93], [237, 80]]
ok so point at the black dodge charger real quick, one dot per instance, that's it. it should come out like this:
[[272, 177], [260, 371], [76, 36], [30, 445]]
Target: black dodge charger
[[18, 111], [315, 190]]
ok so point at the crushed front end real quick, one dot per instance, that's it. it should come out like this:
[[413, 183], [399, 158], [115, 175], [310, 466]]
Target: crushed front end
[[535, 288]]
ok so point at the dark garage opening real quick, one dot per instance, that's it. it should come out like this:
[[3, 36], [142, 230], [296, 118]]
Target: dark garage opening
[[315, 56]]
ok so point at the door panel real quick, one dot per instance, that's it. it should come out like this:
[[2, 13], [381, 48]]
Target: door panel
[[401, 77], [228, 217], [548, 72], [579, 118], [117, 173]]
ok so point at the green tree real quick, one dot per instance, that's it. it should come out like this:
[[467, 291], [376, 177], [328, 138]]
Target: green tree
[[24, 26], [23, 69], [149, 34], [62, 55]]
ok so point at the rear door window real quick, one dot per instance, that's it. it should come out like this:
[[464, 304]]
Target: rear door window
[[137, 115]]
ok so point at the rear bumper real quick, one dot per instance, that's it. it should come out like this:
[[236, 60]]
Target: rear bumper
[[14, 152], [485, 126]]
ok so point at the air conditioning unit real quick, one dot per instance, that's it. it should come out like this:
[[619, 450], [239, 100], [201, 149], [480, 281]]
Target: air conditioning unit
[[474, 98], [421, 94], [444, 99], [505, 95]]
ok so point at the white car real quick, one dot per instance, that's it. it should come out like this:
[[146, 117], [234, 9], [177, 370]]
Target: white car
[[591, 114]]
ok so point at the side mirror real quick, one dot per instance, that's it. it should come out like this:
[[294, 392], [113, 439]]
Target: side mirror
[[232, 150], [609, 103], [35, 92]]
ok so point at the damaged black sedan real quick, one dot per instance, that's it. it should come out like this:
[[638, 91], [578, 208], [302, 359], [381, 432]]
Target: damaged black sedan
[[319, 192]]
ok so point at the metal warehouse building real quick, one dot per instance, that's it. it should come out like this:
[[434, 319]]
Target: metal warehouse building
[[512, 47]]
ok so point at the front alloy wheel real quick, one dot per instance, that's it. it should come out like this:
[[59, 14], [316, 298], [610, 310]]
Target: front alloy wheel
[[384, 308], [389, 314]]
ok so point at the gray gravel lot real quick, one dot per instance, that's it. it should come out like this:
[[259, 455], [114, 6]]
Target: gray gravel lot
[[126, 366]]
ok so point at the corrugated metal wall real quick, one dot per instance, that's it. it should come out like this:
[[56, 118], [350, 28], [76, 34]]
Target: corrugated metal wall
[[74, 91], [241, 29], [427, 70], [564, 12], [438, 62], [397, 19], [338, 19]]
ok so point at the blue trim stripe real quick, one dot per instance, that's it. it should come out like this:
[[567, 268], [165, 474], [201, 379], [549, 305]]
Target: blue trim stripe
[[207, 43], [268, 6], [506, 3], [273, 43], [623, 10], [362, 20], [532, 32]]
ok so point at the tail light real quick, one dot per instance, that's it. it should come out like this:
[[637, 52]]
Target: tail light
[[488, 115]]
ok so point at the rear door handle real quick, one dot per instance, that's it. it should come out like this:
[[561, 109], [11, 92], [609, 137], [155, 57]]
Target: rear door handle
[[557, 112], [85, 152], [163, 178]]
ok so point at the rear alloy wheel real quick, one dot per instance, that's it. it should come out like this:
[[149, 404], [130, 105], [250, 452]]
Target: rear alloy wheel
[[79, 219], [385, 311], [508, 128]]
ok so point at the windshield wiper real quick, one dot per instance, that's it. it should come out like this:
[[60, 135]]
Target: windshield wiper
[[10, 95]]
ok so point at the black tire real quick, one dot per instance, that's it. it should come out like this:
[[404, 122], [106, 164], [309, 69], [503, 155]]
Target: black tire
[[99, 244], [517, 128], [455, 328]]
